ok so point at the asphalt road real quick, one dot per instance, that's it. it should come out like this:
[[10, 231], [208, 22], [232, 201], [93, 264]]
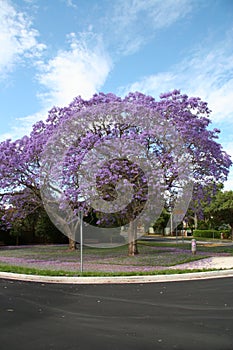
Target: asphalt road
[[173, 315]]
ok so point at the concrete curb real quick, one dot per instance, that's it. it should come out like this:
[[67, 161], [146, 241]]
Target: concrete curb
[[118, 279]]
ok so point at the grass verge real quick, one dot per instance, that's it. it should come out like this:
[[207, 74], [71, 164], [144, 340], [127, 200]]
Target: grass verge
[[40, 272]]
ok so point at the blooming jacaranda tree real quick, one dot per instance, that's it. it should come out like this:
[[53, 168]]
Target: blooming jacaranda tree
[[118, 160]]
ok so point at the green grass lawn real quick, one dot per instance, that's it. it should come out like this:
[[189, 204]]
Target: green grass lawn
[[154, 258]]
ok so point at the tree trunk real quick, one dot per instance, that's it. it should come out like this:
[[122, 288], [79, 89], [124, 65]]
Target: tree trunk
[[132, 248], [132, 234], [72, 244]]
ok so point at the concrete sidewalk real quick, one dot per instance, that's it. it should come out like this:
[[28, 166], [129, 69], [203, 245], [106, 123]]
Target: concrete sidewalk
[[215, 262]]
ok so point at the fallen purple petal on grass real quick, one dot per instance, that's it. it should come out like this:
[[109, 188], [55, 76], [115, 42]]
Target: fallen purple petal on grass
[[60, 258]]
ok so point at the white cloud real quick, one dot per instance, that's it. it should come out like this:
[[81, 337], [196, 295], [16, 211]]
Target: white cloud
[[228, 147], [23, 126], [205, 73], [80, 70], [5, 136], [228, 185], [134, 22], [18, 40], [70, 3], [152, 85]]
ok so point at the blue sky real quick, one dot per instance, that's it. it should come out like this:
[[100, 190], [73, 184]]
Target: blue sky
[[52, 51]]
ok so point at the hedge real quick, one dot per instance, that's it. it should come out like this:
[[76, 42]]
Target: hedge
[[207, 233]]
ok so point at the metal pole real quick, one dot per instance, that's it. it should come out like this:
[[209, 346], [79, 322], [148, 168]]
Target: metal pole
[[171, 222], [182, 232], [81, 241]]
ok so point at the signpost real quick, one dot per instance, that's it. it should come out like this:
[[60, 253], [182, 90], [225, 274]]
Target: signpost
[[81, 240], [180, 213]]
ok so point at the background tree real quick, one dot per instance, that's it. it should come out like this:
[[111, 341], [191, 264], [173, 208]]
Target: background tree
[[221, 209], [36, 227], [196, 216], [46, 231], [160, 224]]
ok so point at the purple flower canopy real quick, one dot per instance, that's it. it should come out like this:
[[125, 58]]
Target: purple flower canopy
[[117, 159]]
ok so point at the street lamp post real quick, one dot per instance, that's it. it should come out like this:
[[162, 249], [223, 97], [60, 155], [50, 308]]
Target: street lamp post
[[212, 225]]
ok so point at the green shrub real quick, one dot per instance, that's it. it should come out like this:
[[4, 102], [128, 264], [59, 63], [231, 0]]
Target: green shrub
[[207, 233], [226, 233]]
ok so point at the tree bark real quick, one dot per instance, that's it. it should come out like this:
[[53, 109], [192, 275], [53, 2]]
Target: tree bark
[[72, 244], [132, 234]]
